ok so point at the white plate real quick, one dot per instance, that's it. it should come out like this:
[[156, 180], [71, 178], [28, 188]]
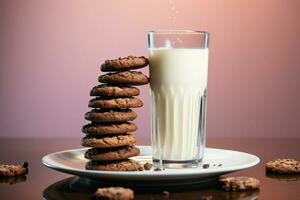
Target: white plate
[[73, 162]]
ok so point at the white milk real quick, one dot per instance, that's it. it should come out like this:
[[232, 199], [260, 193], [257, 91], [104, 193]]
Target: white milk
[[178, 80]]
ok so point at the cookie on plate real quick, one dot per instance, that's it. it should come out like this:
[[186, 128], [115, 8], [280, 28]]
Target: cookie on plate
[[126, 63], [119, 153], [289, 166], [104, 103], [114, 193], [118, 115], [125, 165], [109, 128], [13, 170], [239, 183], [126, 78], [108, 142], [114, 91]]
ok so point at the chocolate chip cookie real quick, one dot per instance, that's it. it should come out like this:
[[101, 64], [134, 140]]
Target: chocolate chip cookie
[[110, 134], [114, 91], [13, 170], [239, 183], [108, 142], [127, 165], [126, 63], [119, 153], [126, 78], [289, 166], [109, 128], [114, 193], [118, 115], [127, 102]]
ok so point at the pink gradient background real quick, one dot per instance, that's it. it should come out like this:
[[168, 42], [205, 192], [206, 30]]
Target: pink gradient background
[[50, 52]]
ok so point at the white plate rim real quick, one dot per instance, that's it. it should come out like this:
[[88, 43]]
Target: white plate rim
[[149, 174]]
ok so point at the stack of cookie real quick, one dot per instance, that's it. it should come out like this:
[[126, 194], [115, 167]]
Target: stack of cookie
[[110, 134]]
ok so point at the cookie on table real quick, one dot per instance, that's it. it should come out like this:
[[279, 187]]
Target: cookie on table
[[125, 165], [119, 153], [114, 91], [13, 170], [289, 166], [127, 102], [126, 78], [108, 142], [114, 193], [109, 128], [118, 115], [239, 183], [126, 63]]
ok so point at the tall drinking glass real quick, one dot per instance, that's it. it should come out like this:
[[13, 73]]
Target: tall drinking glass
[[178, 80]]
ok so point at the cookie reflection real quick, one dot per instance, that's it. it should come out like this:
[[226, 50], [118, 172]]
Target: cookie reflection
[[81, 188], [284, 177], [12, 179], [242, 195]]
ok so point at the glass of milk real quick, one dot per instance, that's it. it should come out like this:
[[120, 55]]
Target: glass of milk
[[178, 80]]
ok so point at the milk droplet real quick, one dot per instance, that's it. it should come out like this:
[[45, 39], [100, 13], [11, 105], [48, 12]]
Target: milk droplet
[[168, 44]]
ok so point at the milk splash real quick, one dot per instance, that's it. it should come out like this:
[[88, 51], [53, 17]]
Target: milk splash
[[174, 13]]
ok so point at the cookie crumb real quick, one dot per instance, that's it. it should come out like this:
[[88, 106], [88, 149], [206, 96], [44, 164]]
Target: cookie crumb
[[114, 193], [141, 168], [205, 166], [157, 169], [147, 166]]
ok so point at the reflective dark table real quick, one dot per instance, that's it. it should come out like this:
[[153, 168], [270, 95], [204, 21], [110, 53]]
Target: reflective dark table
[[44, 183]]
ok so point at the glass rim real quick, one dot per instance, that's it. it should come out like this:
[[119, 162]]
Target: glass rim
[[172, 31]]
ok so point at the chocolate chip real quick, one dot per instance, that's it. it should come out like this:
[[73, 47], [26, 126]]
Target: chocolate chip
[[25, 165], [205, 166]]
